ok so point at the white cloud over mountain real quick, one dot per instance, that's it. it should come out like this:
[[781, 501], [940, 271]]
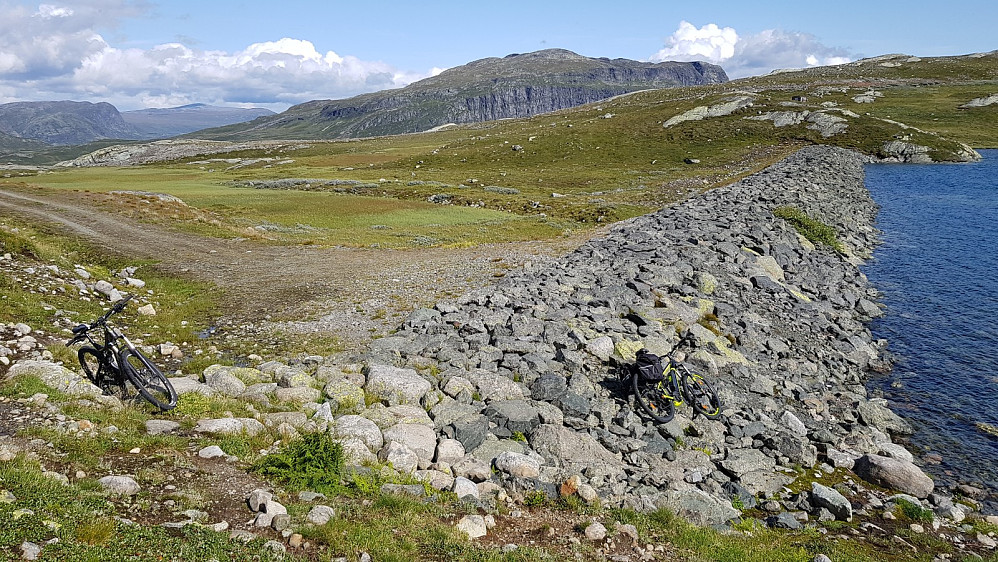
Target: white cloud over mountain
[[54, 52], [748, 55]]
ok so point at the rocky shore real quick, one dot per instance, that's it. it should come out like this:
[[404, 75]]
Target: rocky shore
[[512, 390], [778, 323]]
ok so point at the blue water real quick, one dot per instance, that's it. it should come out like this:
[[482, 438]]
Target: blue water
[[938, 271]]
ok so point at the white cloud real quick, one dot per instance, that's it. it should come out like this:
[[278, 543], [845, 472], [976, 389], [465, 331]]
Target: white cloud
[[749, 55], [709, 42], [55, 52]]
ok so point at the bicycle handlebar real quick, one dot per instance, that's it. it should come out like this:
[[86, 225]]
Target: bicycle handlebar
[[81, 330]]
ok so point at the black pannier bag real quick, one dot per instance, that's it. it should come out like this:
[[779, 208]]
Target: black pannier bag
[[649, 366]]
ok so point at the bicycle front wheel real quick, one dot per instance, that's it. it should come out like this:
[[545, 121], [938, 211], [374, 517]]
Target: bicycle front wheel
[[701, 395], [148, 379], [653, 400]]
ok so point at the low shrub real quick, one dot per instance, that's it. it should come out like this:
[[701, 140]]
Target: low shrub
[[814, 230], [314, 462]]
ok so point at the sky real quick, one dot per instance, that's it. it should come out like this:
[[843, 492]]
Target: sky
[[151, 53]]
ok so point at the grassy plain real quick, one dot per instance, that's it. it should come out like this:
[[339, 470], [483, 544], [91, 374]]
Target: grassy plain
[[539, 177]]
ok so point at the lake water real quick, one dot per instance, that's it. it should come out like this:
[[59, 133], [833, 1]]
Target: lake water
[[938, 270]]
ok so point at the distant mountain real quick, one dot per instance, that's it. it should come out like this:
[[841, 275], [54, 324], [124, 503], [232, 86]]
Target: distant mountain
[[170, 122], [80, 122], [519, 85], [64, 122]]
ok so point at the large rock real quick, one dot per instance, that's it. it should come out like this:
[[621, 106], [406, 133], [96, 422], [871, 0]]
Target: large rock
[[229, 426], [565, 448], [882, 418], [832, 500], [224, 382], [743, 461], [120, 485], [421, 439], [395, 385], [55, 376], [492, 386], [400, 457], [895, 474], [360, 428], [344, 396], [518, 416], [518, 465], [697, 506]]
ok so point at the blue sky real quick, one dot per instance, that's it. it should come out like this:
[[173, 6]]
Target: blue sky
[[148, 53]]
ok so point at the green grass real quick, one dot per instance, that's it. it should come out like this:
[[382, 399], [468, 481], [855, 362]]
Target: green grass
[[81, 519], [814, 230], [913, 512], [183, 307], [602, 169]]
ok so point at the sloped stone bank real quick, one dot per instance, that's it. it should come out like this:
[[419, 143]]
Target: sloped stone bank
[[528, 365]]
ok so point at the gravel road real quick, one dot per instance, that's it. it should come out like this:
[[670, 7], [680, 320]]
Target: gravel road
[[347, 292]]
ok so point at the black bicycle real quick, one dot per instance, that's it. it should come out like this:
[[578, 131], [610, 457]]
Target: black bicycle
[[660, 390], [114, 364]]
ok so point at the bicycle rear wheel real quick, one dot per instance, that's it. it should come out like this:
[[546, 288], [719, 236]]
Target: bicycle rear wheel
[[91, 364], [653, 400], [148, 379], [701, 395]]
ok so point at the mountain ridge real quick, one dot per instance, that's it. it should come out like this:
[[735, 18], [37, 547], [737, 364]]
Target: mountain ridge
[[517, 85]]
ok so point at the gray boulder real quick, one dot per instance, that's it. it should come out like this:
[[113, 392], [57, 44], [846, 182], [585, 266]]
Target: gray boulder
[[882, 418], [360, 428], [832, 500], [518, 465], [894, 474], [224, 382], [575, 451], [55, 376], [515, 415], [120, 485], [395, 385], [698, 506], [492, 386], [471, 430], [420, 439]]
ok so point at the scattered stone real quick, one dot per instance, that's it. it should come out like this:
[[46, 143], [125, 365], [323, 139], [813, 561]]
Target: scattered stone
[[211, 452], [473, 525], [30, 550], [161, 427], [320, 515], [595, 531], [832, 500], [120, 485]]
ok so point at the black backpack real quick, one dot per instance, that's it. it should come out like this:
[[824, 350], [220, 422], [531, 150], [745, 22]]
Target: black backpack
[[649, 366]]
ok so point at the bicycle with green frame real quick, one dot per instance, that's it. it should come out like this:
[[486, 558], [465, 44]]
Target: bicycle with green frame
[[661, 389]]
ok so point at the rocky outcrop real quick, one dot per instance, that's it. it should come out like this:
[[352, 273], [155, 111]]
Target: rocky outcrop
[[519, 85]]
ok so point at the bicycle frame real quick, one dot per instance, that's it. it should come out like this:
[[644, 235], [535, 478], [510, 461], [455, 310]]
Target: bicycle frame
[[670, 385]]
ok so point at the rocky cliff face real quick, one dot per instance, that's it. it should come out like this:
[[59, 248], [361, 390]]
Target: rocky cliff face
[[483, 90], [64, 122]]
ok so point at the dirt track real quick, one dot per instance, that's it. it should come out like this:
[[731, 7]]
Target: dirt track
[[332, 290]]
